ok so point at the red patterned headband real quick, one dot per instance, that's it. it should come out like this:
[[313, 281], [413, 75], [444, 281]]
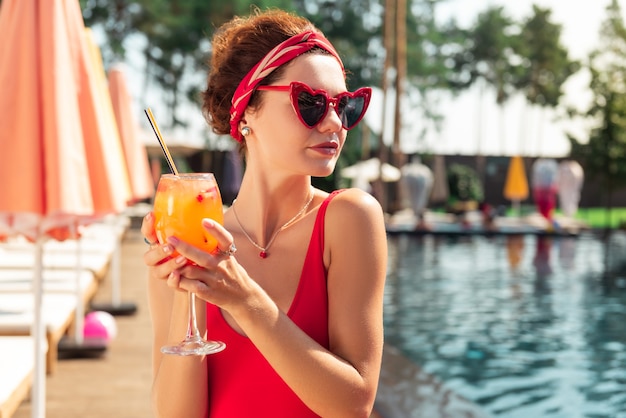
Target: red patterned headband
[[279, 55]]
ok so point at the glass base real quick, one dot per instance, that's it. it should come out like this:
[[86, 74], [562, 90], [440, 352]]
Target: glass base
[[194, 347]]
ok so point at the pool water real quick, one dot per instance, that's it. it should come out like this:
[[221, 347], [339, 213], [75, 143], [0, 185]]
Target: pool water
[[525, 326]]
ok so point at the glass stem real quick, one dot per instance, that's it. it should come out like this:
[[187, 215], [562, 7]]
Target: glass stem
[[192, 327]]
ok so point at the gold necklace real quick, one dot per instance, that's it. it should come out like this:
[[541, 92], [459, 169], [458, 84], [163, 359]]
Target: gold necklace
[[263, 253]]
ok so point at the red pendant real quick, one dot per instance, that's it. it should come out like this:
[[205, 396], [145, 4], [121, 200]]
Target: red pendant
[[263, 254]]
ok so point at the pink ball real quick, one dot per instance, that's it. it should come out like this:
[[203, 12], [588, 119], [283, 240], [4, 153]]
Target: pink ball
[[100, 325]]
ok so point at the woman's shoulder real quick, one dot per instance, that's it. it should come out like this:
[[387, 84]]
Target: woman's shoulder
[[354, 205], [354, 197], [355, 235]]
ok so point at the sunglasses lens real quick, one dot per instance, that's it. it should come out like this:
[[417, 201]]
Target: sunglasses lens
[[350, 110], [311, 107]]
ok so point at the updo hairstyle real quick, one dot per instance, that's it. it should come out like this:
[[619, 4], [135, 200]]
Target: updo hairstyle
[[238, 46]]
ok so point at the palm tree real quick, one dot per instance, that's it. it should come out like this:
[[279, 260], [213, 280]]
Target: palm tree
[[545, 62]]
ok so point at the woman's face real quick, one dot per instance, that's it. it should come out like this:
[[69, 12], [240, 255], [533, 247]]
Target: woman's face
[[280, 141]]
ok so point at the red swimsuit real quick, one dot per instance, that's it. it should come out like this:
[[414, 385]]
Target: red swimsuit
[[242, 384]]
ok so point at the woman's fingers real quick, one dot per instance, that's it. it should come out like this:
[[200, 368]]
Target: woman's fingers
[[167, 261], [188, 251], [225, 246], [147, 229], [184, 266], [225, 243], [157, 254], [160, 265]]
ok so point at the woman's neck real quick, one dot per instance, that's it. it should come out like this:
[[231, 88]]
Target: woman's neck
[[263, 207]]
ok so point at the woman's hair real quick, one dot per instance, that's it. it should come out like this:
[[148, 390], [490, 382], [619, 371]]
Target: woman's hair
[[238, 46]]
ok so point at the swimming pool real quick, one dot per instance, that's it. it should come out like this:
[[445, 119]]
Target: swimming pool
[[523, 325]]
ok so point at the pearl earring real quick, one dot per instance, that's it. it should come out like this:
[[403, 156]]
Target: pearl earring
[[245, 131]]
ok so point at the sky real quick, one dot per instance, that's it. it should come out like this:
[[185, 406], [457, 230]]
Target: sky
[[472, 123]]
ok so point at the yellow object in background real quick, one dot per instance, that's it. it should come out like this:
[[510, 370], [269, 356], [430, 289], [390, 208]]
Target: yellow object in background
[[516, 186]]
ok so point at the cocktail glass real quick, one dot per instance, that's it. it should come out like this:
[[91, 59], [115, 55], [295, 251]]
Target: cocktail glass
[[180, 204]]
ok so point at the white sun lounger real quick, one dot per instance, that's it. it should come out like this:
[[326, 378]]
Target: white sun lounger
[[88, 257], [60, 301], [93, 251], [23, 257], [54, 281], [16, 372]]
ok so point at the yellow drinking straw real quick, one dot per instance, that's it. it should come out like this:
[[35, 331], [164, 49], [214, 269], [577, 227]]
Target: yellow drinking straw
[[157, 132]]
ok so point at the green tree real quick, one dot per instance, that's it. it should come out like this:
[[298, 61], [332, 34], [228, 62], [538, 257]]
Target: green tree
[[175, 39], [545, 62], [464, 184], [603, 155], [545, 65], [427, 69], [353, 29], [489, 56], [490, 53]]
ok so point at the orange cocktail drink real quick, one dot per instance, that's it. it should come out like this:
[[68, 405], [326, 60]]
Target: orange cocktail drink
[[180, 204]]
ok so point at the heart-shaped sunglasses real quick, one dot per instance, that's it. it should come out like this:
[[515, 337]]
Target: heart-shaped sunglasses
[[311, 106]]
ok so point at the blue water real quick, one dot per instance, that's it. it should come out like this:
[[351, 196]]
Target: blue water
[[525, 326]]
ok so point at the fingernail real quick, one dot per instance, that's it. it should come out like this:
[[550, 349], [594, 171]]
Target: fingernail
[[180, 259], [167, 249], [209, 223], [149, 216], [173, 240]]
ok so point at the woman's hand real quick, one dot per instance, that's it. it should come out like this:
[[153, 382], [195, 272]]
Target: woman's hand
[[215, 277], [159, 257]]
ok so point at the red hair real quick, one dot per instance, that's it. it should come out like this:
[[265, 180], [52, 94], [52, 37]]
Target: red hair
[[238, 46]]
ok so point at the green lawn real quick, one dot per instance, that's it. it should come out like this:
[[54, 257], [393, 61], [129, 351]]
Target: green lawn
[[594, 217], [598, 217]]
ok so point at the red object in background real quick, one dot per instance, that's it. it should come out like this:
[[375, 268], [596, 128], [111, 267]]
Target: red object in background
[[541, 260], [545, 200]]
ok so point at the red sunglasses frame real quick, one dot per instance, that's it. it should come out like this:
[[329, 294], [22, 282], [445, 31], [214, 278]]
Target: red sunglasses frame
[[295, 88]]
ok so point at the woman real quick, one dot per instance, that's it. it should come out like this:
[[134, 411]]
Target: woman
[[299, 305]]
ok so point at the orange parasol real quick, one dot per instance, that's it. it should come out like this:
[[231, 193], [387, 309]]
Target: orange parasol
[[516, 186], [105, 156], [43, 161], [54, 139], [142, 185]]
